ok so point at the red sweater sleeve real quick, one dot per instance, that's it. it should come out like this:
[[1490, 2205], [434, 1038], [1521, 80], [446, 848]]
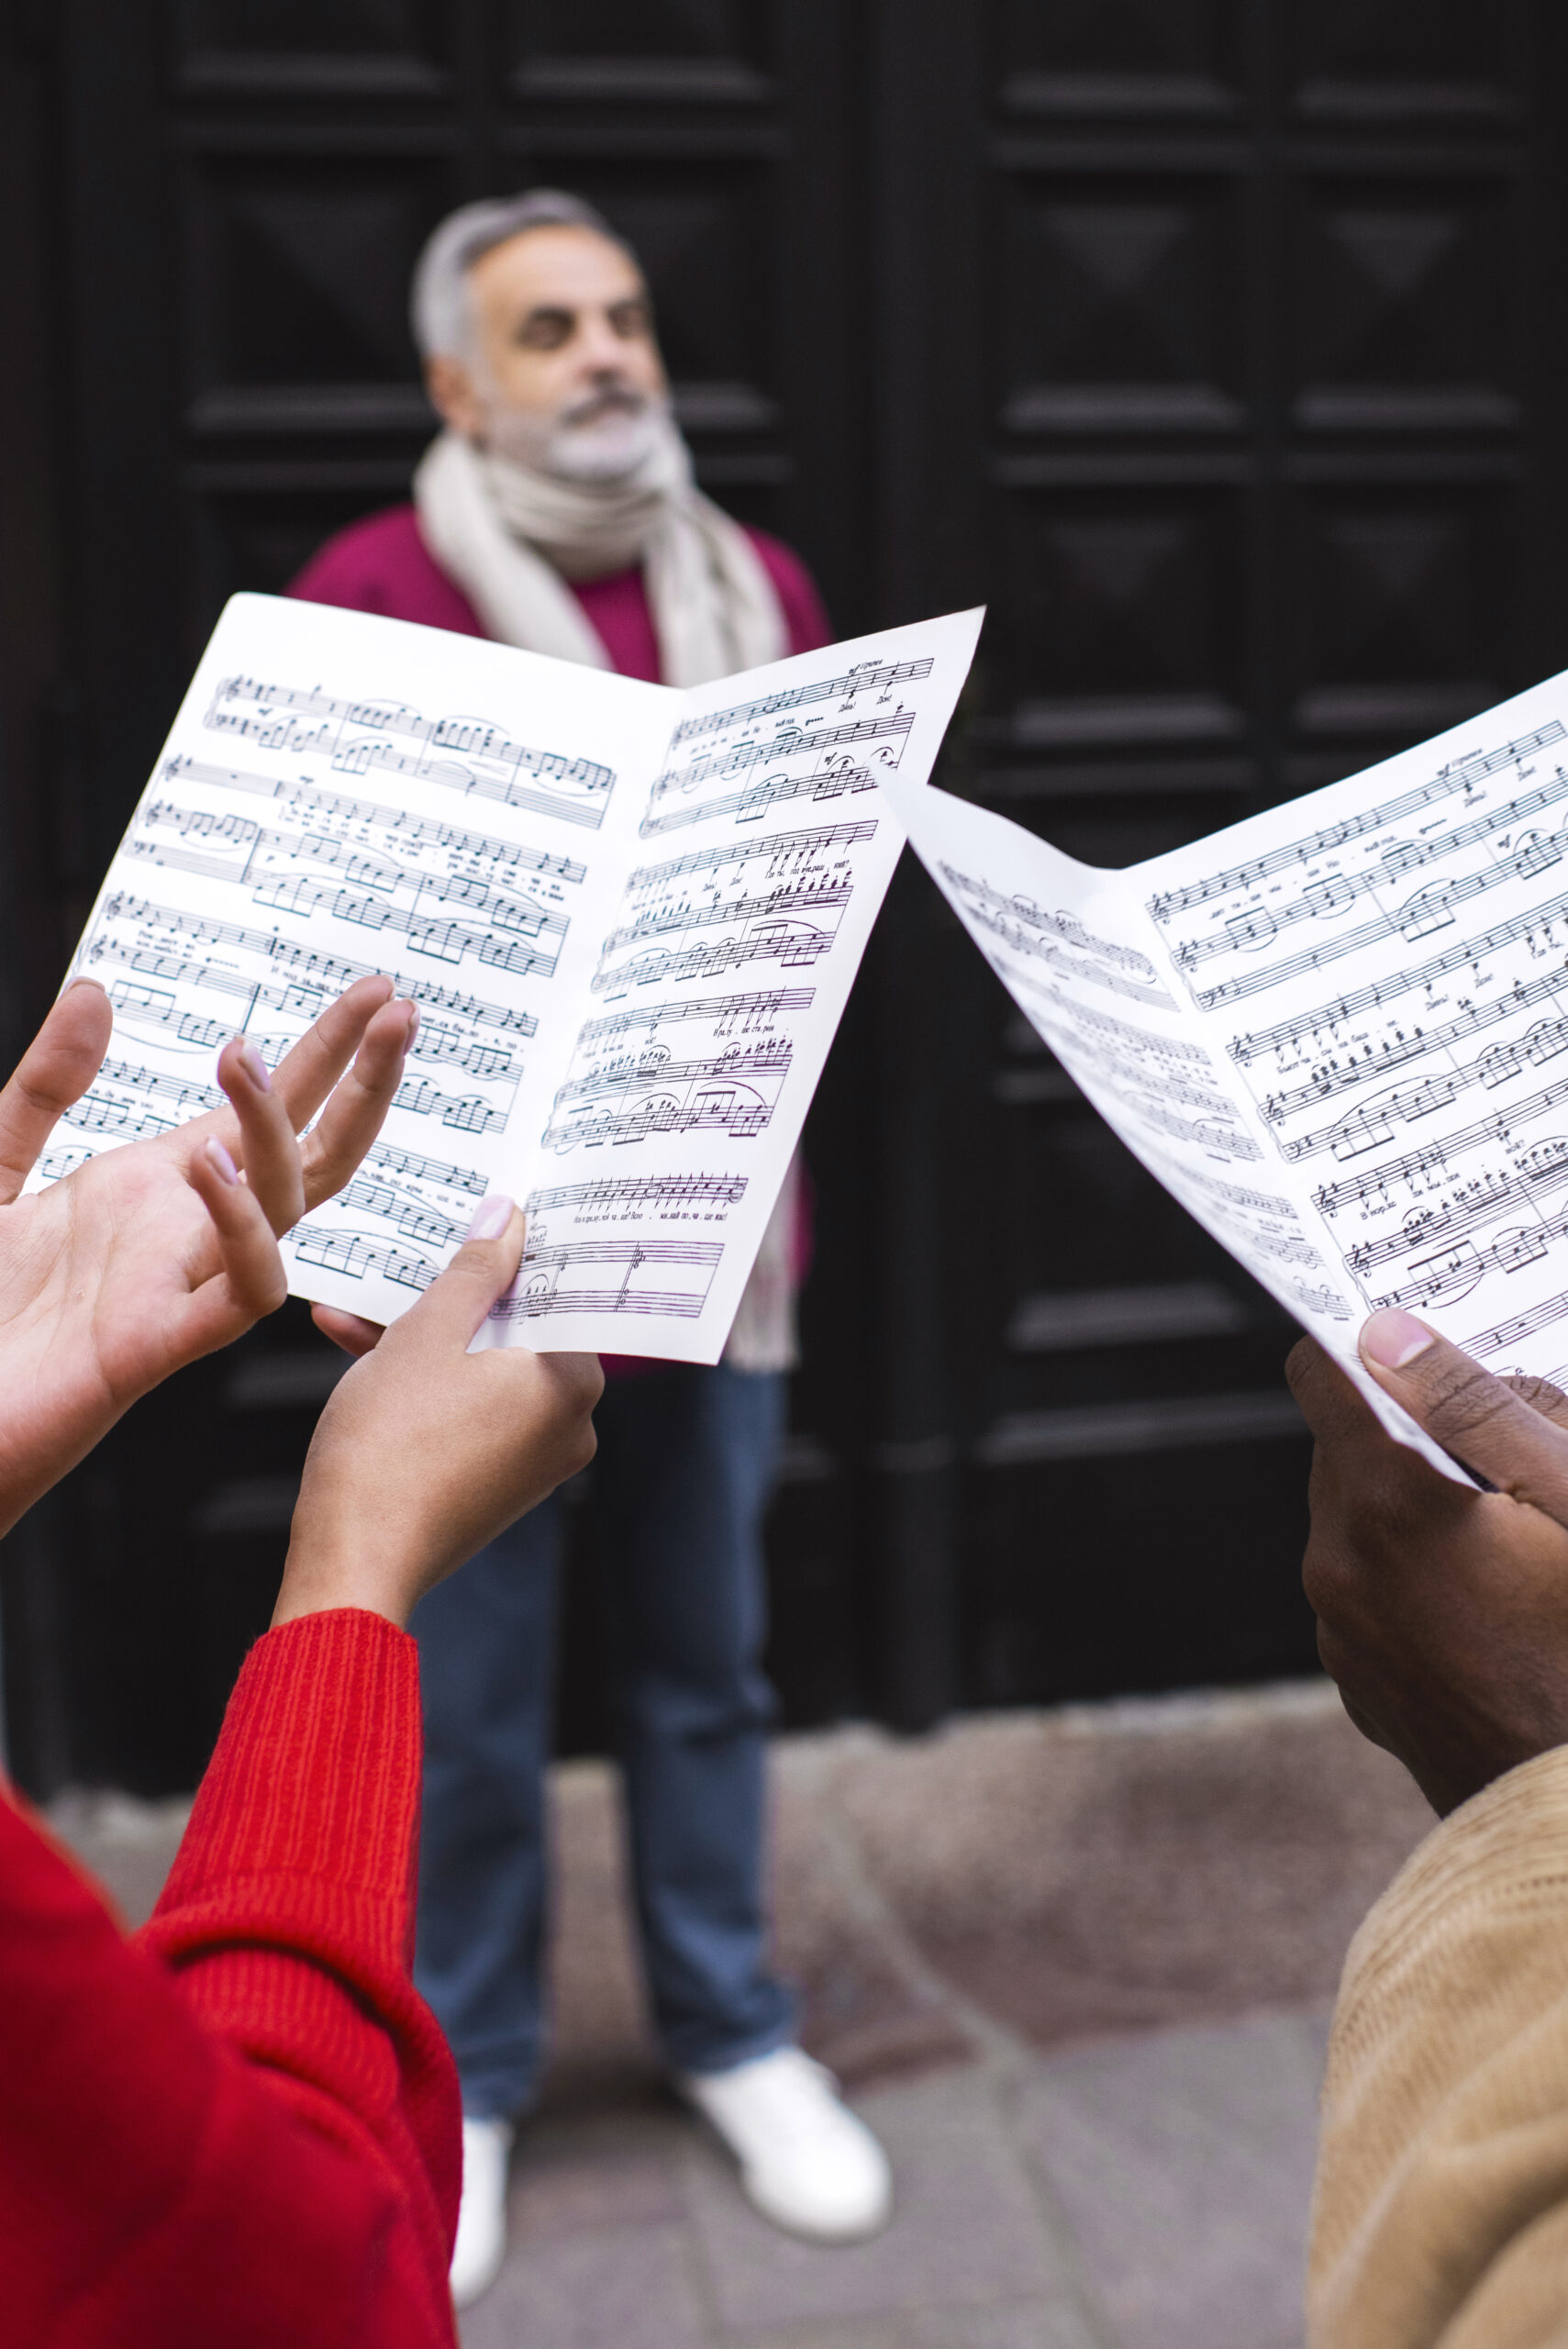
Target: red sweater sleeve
[[242, 2126]]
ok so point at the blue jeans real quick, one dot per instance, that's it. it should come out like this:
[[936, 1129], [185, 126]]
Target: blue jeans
[[686, 1460]]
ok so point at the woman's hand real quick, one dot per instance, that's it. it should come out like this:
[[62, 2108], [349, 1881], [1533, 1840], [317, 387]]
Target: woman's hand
[[149, 1256], [426, 1452]]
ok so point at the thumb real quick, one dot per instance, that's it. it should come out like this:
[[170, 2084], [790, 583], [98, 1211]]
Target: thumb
[[1478, 1420], [484, 1268]]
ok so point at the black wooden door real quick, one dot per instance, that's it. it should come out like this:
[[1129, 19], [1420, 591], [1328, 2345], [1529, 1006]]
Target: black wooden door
[[1219, 353], [1212, 343]]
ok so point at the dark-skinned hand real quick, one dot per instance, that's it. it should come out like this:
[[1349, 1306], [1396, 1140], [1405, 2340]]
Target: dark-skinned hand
[[1442, 1612]]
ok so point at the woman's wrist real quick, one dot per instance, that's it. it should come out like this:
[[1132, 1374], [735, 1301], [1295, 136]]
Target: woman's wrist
[[321, 1575]]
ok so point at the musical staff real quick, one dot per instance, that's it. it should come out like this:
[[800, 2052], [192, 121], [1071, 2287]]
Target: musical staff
[[1405, 1105], [1331, 896], [1023, 927], [260, 846], [771, 1059], [791, 946], [1436, 1157], [1461, 775], [397, 1161], [867, 676], [1467, 1209], [550, 1279], [98, 1112], [467, 754], [829, 782], [1455, 1272], [778, 847], [1420, 1043], [1062, 926], [819, 900], [413, 1220], [1467, 954], [1504, 1335], [313, 803], [761, 1009], [1430, 909], [317, 976], [790, 742], [467, 1113], [353, 1257], [642, 1190], [741, 1112]]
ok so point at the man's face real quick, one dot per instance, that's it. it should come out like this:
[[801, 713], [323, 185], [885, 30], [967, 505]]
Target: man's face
[[564, 372]]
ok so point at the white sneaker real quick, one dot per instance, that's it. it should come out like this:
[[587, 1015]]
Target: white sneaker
[[806, 2162], [481, 2244]]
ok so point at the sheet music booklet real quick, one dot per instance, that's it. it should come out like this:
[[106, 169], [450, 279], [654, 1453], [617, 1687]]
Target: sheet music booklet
[[629, 916]]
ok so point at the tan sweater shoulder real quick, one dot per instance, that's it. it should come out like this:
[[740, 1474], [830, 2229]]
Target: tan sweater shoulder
[[1440, 2213]]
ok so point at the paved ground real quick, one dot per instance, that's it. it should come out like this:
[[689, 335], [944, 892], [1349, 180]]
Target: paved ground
[[1146, 2193], [1075, 1968]]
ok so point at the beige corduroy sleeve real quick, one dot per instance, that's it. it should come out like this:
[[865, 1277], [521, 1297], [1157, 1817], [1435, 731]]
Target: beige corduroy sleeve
[[1441, 2212]]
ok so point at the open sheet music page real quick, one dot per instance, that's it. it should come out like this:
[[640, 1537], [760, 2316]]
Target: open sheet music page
[[1337, 1032], [630, 919]]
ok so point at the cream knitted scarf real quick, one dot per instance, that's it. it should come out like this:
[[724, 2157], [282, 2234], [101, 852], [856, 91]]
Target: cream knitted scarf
[[510, 537]]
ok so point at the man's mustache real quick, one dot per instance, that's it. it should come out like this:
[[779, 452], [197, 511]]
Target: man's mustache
[[615, 399]]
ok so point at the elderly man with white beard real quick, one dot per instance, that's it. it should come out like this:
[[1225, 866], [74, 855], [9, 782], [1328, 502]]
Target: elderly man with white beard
[[557, 511]]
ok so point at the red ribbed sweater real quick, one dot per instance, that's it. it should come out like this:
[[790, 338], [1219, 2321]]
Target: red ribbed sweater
[[239, 2129]]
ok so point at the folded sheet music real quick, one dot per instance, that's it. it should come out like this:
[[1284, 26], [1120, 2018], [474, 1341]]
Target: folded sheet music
[[1337, 1033], [629, 916]]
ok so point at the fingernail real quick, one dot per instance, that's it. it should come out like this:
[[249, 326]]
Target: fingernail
[[82, 980], [1391, 1340], [491, 1218], [219, 1159], [255, 1068], [413, 1020]]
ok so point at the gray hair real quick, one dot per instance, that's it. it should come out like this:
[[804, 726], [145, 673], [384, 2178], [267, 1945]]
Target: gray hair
[[439, 307]]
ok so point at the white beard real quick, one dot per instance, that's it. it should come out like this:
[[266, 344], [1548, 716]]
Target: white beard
[[607, 447]]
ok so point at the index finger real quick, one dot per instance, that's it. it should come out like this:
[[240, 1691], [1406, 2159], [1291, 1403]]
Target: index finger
[[1475, 1417], [1326, 1398], [306, 1075]]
